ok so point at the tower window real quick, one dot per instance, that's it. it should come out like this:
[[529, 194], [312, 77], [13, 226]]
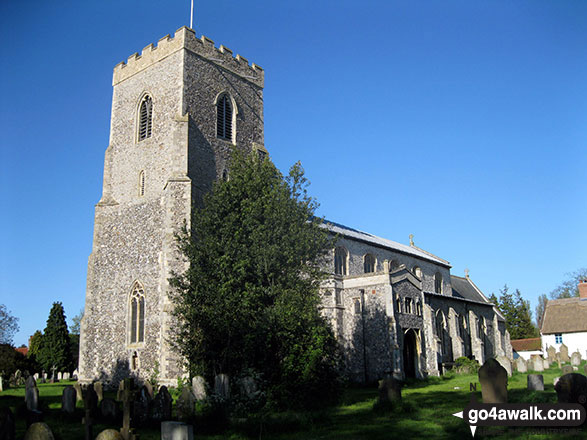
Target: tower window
[[145, 118], [369, 263], [137, 314], [224, 118], [142, 183], [437, 282], [340, 261]]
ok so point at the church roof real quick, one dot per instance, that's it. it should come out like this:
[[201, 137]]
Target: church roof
[[466, 289], [355, 234], [566, 315]]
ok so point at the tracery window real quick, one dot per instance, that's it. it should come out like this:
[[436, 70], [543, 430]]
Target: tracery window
[[146, 118], [340, 261], [137, 314], [369, 263]]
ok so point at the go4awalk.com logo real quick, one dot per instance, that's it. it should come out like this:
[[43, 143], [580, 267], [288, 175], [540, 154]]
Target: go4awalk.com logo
[[522, 414]]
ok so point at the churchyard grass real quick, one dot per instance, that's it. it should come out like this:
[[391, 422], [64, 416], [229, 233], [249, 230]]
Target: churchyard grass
[[425, 412]]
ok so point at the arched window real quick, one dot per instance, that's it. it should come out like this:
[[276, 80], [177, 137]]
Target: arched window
[[369, 263], [439, 323], [340, 261], [393, 265], [438, 282], [137, 314], [357, 306], [398, 304], [419, 308], [408, 305], [145, 118], [224, 112], [417, 271], [142, 183]]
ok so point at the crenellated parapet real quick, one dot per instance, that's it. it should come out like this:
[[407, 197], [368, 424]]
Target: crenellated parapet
[[185, 38]]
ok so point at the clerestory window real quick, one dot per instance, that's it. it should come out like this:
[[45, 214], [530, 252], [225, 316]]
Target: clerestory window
[[340, 261], [369, 263]]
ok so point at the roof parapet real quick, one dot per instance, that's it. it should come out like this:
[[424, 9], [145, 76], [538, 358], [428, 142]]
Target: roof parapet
[[185, 38]]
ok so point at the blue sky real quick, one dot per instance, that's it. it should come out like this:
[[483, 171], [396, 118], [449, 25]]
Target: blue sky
[[461, 122]]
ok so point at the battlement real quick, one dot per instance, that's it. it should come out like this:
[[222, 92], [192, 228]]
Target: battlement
[[185, 38]]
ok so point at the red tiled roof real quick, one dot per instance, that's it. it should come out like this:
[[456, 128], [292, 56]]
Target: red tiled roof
[[23, 350], [530, 344]]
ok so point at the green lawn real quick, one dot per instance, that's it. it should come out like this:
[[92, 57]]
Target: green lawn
[[425, 413]]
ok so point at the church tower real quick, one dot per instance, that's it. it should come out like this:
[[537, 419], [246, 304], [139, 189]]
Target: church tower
[[178, 109]]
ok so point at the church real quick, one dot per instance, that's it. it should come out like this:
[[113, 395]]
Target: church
[[178, 109]]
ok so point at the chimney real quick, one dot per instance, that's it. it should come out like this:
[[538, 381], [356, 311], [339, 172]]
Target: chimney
[[582, 289]]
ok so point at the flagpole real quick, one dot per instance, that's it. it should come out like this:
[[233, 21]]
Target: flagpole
[[192, 16]]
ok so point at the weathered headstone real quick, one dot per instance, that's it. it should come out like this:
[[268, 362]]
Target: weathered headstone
[[90, 406], [390, 390], [38, 431], [75, 374], [127, 397], [521, 365], [109, 409], [68, 399], [551, 353], [566, 369], [222, 386], [78, 392], [176, 431], [546, 364], [31, 398], [494, 381], [572, 388], [185, 404], [535, 382], [59, 376], [564, 353], [199, 387], [536, 363], [576, 359], [110, 434], [141, 406], [98, 390], [66, 376], [30, 382], [36, 376], [7, 425], [161, 405], [505, 363], [45, 376]]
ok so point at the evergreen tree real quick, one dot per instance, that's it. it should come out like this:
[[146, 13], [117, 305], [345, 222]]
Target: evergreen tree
[[250, 298], [517, 314], [54, 350]]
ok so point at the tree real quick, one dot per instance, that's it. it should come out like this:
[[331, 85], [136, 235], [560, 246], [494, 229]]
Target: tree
[[8, 325], [35, 344], [568, 288], [517, 314], [250, 298], [55, 344], [540, 309], [76, 321]]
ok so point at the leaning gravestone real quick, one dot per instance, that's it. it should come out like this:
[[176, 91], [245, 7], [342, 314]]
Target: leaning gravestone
[[38, 431], [68, 399], [199, 387], [7, 425], [222, 386], [505, 363], [564, 353], [566, 369], [572, 388], [98, 389], [390, 390], [494, 382], [161, 405], [576, 359], [521, 365], [535, 382], [551, 353], [31, 397], [185, 404], [176, 431], [109, 409], [110, 434]]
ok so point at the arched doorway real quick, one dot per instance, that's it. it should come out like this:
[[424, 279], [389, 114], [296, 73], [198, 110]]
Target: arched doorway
[[410, 353]]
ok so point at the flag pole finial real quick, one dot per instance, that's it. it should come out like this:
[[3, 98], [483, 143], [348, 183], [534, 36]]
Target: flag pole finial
[[192, 16]]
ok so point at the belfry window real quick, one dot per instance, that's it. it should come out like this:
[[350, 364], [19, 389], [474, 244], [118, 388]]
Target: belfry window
[[146, 118], [224, 112], [369, 263], [137, 314], [340, 261]]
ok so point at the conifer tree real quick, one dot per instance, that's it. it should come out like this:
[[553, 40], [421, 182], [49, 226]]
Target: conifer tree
[[55, 346], [517, 314]]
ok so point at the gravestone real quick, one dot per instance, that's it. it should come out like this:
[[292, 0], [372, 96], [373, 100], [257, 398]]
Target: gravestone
[[576, 359], [149, 388], [161, 405], [120, 391], [68, 399], [567, 369], [176, 431], [572, 388], [222, 386], [109, 409], [141, 406], [551, 353], [505, 363], [45, 376], [38, 431], [185, 404], [98, 390], [74, 375], [390, 390], [59, 376], [546, 364], [31, 397], [199, 387], [555, 380], [521, 365], [536, 363], [66, 376], [248, 387], [30, 382], [78, 392], [1, 384], [7, 425], [127, 397], [535, 382], [110, 434], [90, 406], [564, 353], [36, 376], [494, 381]]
